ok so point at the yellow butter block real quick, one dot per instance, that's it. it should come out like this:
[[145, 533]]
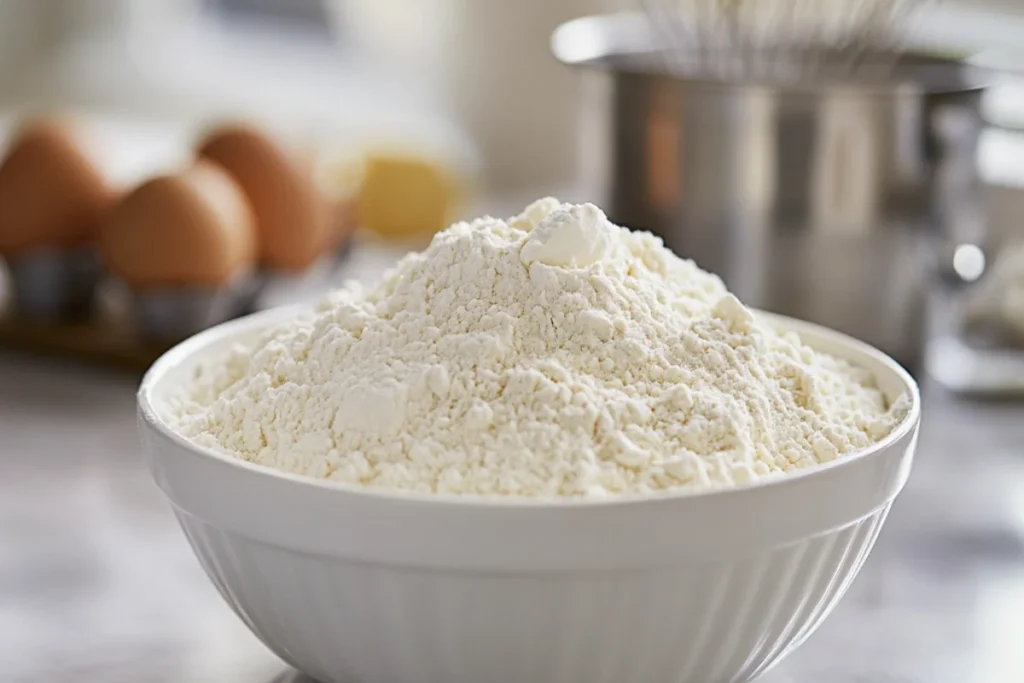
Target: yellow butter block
[[406, 196]]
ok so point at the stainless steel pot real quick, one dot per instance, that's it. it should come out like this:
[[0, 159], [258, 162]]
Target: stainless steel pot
[[812, 201]]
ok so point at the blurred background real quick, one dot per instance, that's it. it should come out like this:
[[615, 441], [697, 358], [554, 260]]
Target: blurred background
[[896, 217]]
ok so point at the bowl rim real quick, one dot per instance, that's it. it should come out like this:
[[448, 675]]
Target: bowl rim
[[253, 323], [610, 42]]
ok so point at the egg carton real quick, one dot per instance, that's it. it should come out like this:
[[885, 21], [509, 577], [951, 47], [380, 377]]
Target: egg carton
[[97, 318], [51, 284]]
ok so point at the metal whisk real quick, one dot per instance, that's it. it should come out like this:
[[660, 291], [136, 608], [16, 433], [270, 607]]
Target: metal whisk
[[781, 40]]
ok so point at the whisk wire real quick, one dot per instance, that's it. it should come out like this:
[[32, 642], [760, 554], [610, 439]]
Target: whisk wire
[[781, 39]]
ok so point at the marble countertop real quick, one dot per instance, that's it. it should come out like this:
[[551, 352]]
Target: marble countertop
[[97, 585]]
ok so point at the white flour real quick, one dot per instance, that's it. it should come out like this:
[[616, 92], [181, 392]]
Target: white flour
[[554, 354]]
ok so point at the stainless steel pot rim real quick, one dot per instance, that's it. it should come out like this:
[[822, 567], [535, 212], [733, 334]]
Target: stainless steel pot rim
[[626, 43]]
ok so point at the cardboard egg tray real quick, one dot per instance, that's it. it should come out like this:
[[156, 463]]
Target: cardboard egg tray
[[108, 336]]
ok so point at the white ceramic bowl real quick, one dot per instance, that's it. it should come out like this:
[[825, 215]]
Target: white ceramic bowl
[[352, 585]]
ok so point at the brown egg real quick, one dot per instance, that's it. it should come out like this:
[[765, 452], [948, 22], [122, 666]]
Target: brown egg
[[52, 193], [195, 228], [292, 217]]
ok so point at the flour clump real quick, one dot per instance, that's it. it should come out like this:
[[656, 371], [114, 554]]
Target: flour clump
[[553, 354]]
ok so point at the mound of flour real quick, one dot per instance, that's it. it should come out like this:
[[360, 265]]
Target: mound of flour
[[554, 354]]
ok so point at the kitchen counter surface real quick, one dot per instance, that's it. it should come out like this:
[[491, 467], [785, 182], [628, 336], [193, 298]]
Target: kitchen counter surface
[[98, 586]]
